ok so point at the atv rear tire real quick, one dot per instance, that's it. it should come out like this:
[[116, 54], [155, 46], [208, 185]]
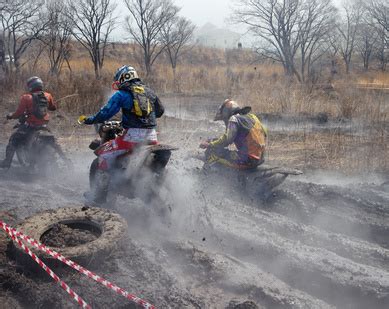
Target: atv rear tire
[[110, 229]]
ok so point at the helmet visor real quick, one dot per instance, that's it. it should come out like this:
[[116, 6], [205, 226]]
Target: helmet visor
[[219, 114]]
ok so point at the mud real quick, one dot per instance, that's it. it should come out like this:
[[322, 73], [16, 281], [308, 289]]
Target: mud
[[320, 241], [61, 235]]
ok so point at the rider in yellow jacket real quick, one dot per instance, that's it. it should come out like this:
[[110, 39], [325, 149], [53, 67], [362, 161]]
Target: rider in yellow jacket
[[245, 131]]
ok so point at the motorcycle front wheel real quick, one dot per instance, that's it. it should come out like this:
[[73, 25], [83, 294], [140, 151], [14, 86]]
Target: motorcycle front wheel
[[92, 173]]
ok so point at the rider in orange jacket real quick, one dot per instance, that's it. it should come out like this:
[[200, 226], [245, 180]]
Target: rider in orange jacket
[[32, 111]]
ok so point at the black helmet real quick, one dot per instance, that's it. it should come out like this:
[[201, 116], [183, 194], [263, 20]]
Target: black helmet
[[34, 84]]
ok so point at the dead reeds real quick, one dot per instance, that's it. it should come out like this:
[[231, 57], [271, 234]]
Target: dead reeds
[[233, 74]]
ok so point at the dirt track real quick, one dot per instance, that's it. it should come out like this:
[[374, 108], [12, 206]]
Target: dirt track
[[320, 242]]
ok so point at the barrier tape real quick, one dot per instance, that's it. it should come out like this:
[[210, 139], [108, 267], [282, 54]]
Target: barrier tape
[[63, 285], [77, 267]]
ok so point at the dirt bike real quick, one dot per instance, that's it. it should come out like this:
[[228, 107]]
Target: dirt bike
[[257, 182], [41, 152], [138, 175]]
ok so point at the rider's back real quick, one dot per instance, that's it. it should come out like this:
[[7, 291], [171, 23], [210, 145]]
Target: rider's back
[[251, 136], [26, 106]]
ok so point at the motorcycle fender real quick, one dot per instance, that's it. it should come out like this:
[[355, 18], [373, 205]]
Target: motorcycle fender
[[106, 148]]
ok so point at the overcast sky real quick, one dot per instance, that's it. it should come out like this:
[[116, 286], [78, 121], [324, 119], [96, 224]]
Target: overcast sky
[[216, 12], [203, 11], [199, 12]]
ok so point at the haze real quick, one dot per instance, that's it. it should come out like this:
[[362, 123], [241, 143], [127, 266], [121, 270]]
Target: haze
[[204, 11], [199, 12]]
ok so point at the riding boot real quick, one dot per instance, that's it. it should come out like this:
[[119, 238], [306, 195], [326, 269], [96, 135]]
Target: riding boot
[[9, 154], [98, 194]]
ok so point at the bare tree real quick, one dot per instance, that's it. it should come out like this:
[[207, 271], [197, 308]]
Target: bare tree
[[176, 34], [348, 30], [382, 49], [145, 23], [379, 13], [92, 24], [333, 52], [275, 23], [317, 18], [2, 54], [21, 23], [57, 35], [288, 29], [367, 40], [379, 10]]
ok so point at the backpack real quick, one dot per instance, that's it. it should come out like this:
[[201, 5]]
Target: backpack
[[39, 104], [142, 105]]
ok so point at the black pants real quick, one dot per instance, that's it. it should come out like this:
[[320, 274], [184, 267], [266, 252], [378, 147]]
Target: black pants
[[22, 135]]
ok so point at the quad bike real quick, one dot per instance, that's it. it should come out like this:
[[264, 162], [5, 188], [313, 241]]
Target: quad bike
[[41, 152], [257, 182], [139, 175]]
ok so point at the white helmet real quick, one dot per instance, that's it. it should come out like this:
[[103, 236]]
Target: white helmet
[[124, 75]]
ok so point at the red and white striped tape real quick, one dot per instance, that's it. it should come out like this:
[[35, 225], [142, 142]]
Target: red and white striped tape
[[63, 285], [14, 233]]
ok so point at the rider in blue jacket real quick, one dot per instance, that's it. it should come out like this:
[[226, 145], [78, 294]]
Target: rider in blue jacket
[[140, 108]]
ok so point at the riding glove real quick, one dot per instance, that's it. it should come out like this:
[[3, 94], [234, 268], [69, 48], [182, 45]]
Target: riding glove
[[89, 120]]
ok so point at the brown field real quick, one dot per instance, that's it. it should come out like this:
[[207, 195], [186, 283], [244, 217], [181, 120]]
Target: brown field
[[359, 97], [318, 240]]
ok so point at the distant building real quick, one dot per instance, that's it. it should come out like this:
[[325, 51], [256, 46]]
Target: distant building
[[212, 36]]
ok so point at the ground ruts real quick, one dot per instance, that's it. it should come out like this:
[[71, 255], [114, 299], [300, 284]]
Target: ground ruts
[[313, 244]]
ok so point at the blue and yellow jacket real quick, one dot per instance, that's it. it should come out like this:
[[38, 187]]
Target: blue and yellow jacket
[[124, 100]]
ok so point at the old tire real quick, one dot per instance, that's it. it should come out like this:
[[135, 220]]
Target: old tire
[[110, 228]]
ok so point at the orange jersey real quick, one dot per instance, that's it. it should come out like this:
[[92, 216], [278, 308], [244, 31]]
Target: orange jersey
[[26, 107]]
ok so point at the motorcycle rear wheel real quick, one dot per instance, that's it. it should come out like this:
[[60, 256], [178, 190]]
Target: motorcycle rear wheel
[[42, 157], [22, 156]]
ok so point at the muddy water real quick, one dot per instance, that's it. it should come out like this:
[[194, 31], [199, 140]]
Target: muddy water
[[204, 108], [191, 108], [61, 235], [319, 242]]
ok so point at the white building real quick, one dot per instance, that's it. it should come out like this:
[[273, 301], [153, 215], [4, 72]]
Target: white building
[[212, 36]]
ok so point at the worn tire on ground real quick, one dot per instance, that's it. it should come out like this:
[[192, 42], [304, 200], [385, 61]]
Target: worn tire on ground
[[112, 226]]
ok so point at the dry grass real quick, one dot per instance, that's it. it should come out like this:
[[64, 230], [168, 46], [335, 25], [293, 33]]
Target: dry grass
[[213, 72], [380, 79], [329, 150]]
